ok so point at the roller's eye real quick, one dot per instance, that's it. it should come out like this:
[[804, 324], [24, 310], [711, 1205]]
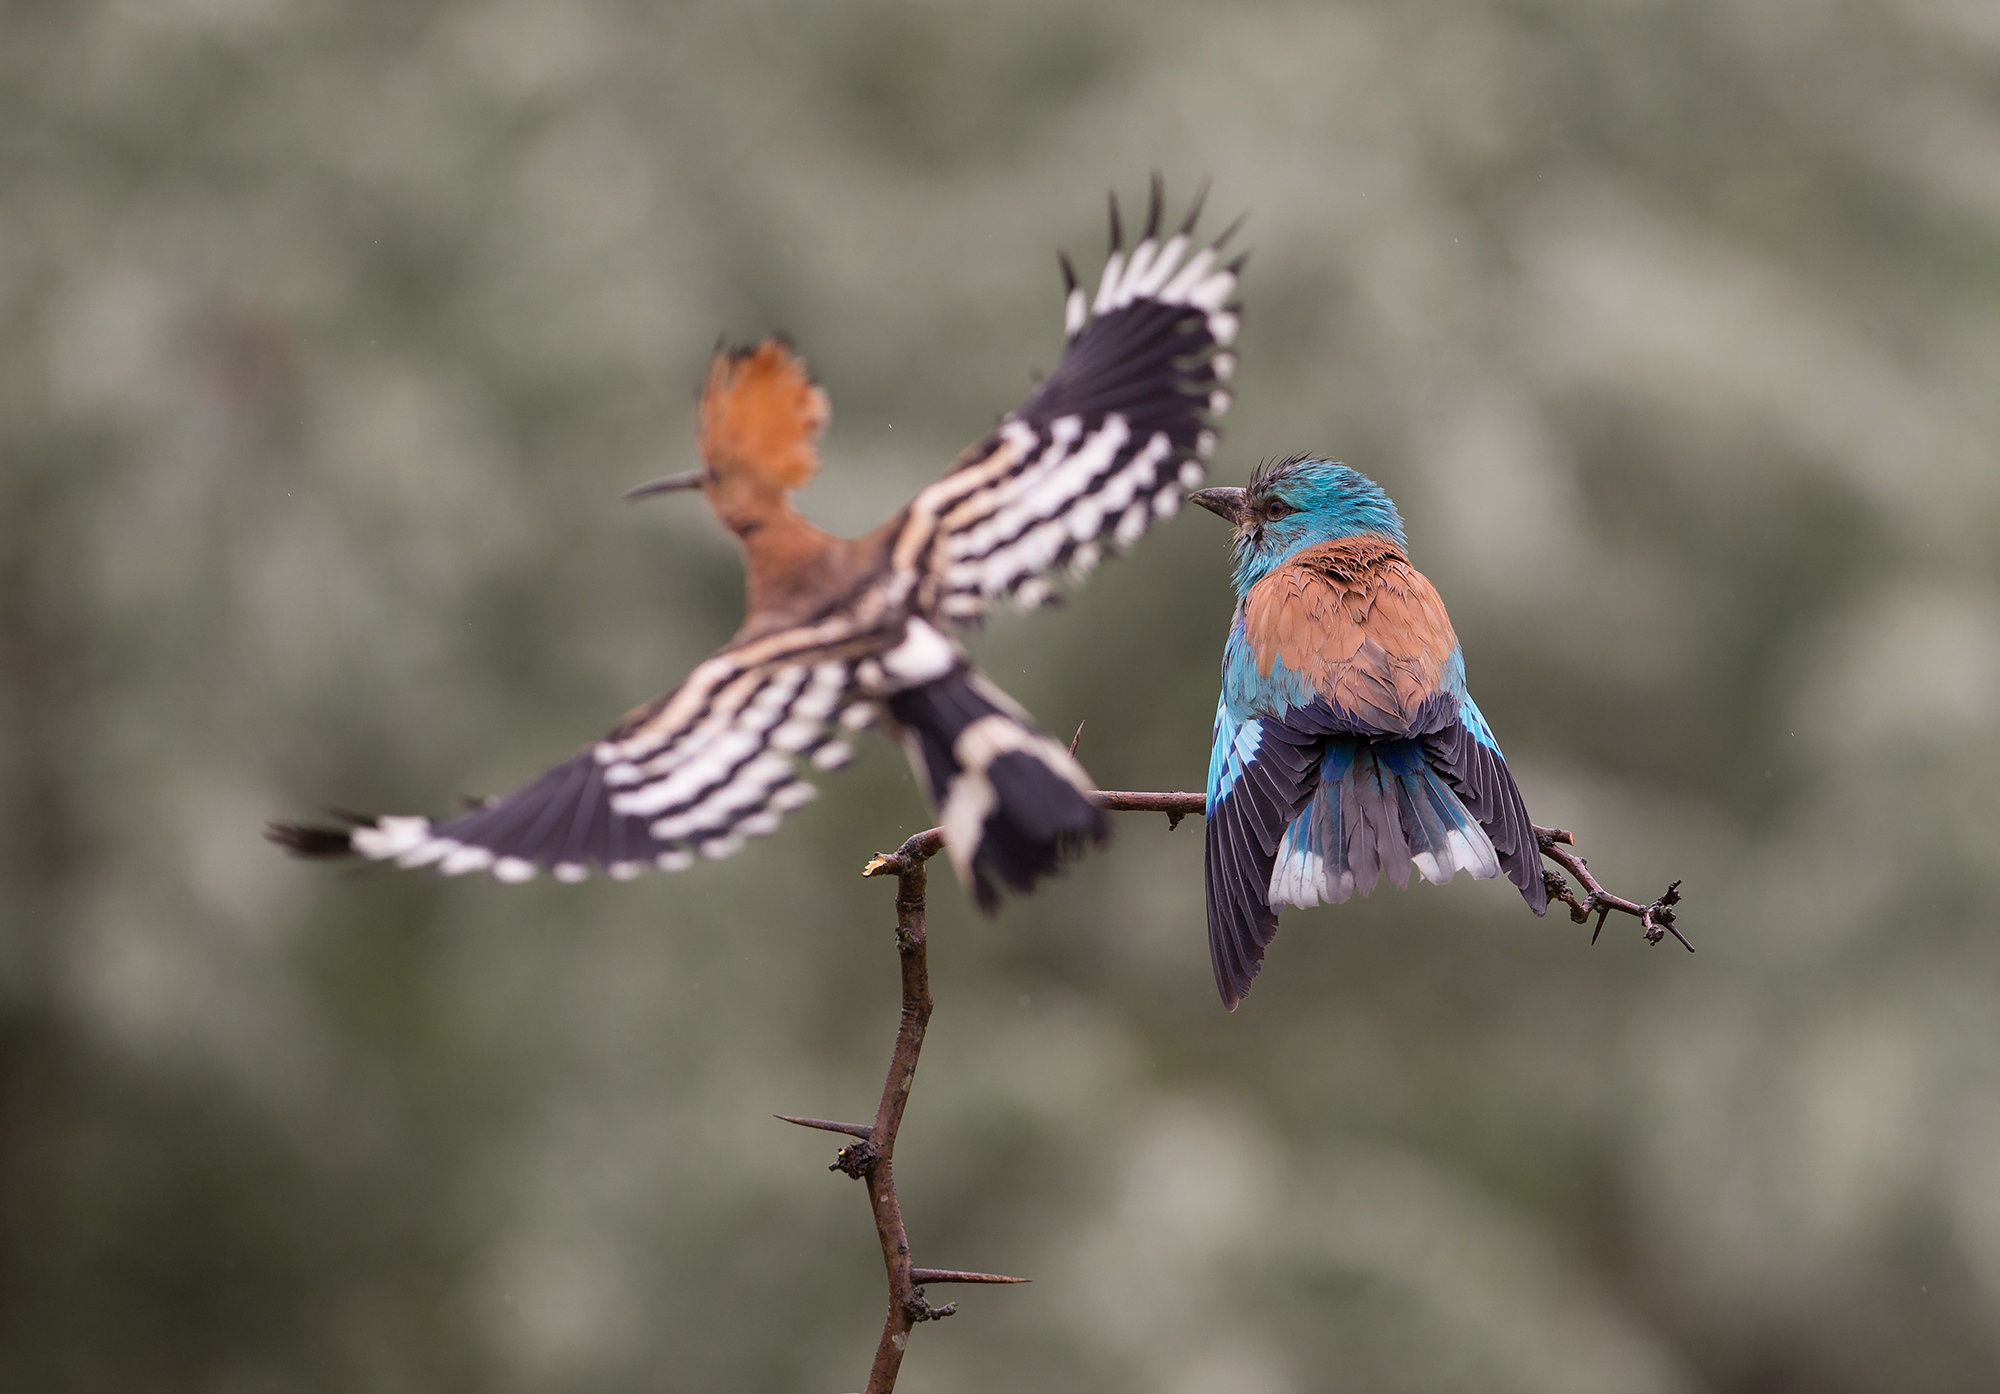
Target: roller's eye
[[1278, 508]]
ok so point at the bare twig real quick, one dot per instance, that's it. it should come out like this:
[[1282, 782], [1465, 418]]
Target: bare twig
[[1175, 806], [871, 1156], [1656, 920]]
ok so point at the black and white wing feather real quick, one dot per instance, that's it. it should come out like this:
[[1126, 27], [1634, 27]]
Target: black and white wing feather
[[1112, 440], [715, 762]]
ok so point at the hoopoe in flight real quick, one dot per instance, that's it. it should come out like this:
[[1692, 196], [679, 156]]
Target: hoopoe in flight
[[843, 634]]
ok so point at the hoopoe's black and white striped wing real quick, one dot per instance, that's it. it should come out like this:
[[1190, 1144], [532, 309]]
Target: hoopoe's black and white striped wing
[[715, 762], [1112, 440]]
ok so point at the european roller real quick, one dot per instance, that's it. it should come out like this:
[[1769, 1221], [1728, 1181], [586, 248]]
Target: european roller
[[1346, 743]]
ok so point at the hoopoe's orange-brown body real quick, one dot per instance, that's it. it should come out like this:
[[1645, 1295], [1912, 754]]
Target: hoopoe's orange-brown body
[[842, 634]]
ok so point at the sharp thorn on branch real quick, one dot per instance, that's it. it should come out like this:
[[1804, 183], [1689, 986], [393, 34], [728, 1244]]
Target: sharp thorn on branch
[[860, 1130], [920, 1276]]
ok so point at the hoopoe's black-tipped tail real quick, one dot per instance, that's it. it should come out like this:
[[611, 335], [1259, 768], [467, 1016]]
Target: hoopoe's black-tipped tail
[[1014, 804], [315, 839]]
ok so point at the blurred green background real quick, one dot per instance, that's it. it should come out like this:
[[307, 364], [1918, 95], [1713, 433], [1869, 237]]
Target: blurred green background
[[332, 333]]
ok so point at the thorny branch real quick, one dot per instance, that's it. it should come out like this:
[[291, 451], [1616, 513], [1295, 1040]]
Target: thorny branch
[[1657, 919], [871, 1157]]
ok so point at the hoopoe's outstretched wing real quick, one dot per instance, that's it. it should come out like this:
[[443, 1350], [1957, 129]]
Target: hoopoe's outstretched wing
[[717, 761], [714, 762], [1109, 442]]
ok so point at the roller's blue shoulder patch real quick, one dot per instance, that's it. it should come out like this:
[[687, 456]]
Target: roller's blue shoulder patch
[[1247, 692], [1451, 682], [1469, 717], [1236, 743]]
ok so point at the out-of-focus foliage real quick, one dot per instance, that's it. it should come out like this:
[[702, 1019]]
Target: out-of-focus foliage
[[332, 333]]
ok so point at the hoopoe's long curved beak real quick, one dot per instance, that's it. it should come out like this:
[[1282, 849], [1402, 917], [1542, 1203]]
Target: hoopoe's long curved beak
[[1228, 504], [672, 483]]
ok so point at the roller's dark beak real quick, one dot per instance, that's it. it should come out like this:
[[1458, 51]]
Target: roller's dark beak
[[688, 479], [1227, 504]]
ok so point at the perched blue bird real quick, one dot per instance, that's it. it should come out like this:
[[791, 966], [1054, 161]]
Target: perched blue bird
[[1346, 744]]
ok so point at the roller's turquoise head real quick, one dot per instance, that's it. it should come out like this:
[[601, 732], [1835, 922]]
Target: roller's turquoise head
[[1298, 503]]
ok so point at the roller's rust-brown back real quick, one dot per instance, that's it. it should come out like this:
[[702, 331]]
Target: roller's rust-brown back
[[1361, 624]]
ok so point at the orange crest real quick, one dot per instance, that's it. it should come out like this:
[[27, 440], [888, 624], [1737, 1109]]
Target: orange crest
[[759, 414]]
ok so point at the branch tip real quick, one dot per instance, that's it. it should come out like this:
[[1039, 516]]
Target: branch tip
[[919, 1310], [1656, 921]]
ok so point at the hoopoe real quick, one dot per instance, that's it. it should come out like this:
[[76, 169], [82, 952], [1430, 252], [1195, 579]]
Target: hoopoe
[[843, 634]]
